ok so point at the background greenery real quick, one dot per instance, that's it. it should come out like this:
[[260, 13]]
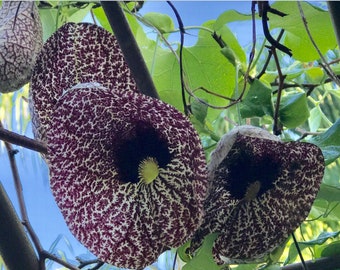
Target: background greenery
[[307, 111]]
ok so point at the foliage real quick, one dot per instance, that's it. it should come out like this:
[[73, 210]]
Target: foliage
[[309, 104]]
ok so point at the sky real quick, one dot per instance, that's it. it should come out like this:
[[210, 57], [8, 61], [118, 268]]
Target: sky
[[42, 210], [197, 12]]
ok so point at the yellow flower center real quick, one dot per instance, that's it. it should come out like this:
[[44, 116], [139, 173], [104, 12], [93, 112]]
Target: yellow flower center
[[252, 190], [148, 170]]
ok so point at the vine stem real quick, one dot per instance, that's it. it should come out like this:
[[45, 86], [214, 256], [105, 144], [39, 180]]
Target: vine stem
[[277, 128], [129, 47], [324, 63], [303, 263]]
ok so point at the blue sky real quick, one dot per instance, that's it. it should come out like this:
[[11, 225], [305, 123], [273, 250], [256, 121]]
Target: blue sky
[[43, 212]]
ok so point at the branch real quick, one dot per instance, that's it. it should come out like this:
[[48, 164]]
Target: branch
[[130, 49], [15, 247], [23, 211], [334, 11], [263, 71], [11, 137], [46, 255], [327, 263]]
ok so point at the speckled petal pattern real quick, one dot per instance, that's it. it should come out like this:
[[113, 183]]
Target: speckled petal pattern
[[76, 53], [20, 42], [125, 224], [250, 229]]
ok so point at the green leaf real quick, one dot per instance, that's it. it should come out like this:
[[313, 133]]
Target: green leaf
[[332, 249], [248, 266], [101, 17], [204, 259], [325, 211], [52, 19], [329, 193], [330, 153], [76, 15], [258, 101], [230, 55], [329, 138], [321, 239], [296, 37], [231, 41], [182, 252], [314, 121], [162, 22], [315, 75], [293, 110], [204, 65], [230, 16], [199, 110], [49, 22], [329, 142]]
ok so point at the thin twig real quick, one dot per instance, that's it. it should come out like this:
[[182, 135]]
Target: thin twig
[[182, 32], [324, 63], [252, 53], [83, 264], [305, 267], [305, 133], [270, 54], [175, 259], [46, 255], [277, 127], [14, 138], [23, 210]]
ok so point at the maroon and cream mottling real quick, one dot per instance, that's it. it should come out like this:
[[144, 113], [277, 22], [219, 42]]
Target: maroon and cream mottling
[[20, 42], [76, 53], [250, 229], [125, 224]]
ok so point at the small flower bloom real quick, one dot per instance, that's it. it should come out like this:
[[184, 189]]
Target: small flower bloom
[[261, 190], [128, 173]]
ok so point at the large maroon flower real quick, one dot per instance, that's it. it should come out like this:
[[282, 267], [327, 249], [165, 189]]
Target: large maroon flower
[[261, 190], [127, 171], [76, 53], [20, 42], [100, 145]]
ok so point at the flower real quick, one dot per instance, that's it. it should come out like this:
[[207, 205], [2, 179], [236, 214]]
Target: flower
[[127, 171], [261, 190], [102, 147], [20, 42], [76, 53]]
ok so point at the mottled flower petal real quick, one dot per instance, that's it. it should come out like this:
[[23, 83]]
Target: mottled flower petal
[[96, 141], [262, 189], [20, 42], [76, 53]]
